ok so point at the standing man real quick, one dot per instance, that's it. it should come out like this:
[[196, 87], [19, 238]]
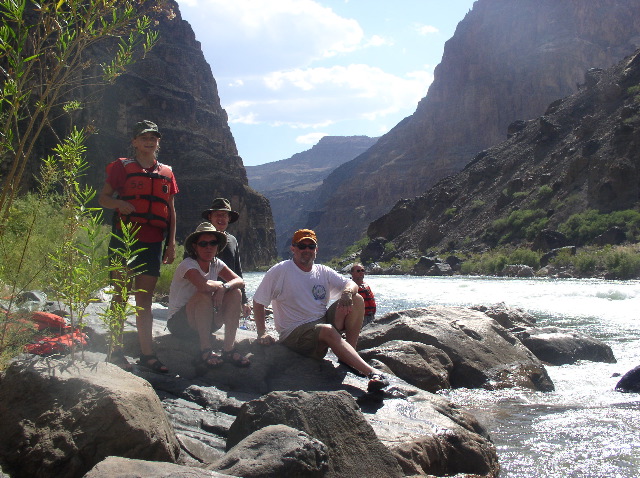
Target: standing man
[[299, 291], [357, 275], [221, 215]]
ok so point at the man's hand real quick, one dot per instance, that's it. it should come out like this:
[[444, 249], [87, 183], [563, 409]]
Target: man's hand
[[346, 299], [266, 339]]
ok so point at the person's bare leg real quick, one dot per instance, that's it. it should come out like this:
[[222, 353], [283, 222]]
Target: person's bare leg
[[145, 285], [353, 321], [200, 317], [343, 349], [230, 311]]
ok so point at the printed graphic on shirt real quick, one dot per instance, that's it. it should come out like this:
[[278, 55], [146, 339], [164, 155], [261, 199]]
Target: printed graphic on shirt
[[319, 292]]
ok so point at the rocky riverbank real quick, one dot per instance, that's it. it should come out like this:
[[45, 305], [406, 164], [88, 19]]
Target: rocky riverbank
[[285, 415]]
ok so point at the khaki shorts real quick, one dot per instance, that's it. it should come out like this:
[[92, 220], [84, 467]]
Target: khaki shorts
[[305, 339]]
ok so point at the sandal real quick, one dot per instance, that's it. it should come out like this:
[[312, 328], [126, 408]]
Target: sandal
[[119, 360], [152, 363], [207, 359], [377, 382], [236, 358]]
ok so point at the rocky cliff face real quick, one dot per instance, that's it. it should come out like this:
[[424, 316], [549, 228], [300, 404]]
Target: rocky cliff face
[[175, 88], [506, 61], [583, 153], [291, 184]]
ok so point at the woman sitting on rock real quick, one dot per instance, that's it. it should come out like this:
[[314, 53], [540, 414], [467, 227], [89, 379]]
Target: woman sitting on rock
[[200, 304]]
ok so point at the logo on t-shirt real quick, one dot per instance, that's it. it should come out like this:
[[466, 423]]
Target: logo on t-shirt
[[319, 292]]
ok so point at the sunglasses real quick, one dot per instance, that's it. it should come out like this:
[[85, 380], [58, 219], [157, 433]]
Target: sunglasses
[[359, 270], [207, 243], [302, 247]]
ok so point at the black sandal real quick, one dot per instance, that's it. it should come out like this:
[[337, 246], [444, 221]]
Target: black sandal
[[119, 360], [204, 360], [152, 363], [236, 358]]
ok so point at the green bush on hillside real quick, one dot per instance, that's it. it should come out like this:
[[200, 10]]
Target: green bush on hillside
[[520, 224], [584, 227]]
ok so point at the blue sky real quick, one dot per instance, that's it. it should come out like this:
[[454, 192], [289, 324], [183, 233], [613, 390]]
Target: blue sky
[[292, 71]]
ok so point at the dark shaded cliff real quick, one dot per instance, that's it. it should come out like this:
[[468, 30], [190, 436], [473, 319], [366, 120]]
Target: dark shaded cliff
[[175, 88], [583, 153], [291, 184], [506, 61]]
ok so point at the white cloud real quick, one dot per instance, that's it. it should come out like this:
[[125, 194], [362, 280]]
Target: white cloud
[[318, 97], [258, 36], [426, 29], [311, 138]]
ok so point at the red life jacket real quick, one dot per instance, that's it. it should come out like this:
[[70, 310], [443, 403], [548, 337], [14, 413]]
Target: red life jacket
[[148, 192]]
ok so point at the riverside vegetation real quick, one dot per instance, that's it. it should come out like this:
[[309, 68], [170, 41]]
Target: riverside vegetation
[[51, 235]]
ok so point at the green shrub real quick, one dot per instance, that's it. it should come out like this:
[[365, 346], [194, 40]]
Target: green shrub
[[623, 264], [545, 191], [167, 271], [583, 228], [526, 257], [520, 224], [452, 211]]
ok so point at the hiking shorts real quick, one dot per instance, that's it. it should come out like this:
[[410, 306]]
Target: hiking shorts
[[305, 339], [178, 325], [148, 261]]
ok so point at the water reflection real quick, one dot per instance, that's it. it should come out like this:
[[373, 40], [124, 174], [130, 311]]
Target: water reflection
[[582, 429]]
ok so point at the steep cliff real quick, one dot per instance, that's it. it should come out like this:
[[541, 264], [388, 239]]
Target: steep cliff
[[506, 61], [175, 88], [583, 153], [291, 184]]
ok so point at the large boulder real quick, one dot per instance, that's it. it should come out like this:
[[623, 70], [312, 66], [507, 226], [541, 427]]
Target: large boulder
[[118, 467], [276, 450], [60, 418], [334, 418], [483, 353], [559, 346], [424, 366]]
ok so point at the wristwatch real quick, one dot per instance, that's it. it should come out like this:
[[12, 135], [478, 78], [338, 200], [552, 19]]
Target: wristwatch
[[226, 286]]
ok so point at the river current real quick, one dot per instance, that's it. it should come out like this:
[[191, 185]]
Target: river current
[[584, 428]]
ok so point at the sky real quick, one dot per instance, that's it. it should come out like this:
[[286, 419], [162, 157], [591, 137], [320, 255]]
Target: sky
[[292, 71]]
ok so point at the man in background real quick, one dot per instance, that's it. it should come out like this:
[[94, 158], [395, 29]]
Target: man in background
[[357, 275]]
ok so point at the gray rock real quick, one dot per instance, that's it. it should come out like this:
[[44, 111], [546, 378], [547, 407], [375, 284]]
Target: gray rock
[[630, 381], [559, 346], [117, 467], [518, 270], [421, 365], [331, 417], [276, 450], [484, 354], [61, 418], [508, 317]]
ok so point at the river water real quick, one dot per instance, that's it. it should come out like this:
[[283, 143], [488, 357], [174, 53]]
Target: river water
[[582, 429]]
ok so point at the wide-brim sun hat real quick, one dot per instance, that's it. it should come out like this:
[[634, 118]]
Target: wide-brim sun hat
[[221, 204], [208, 228]]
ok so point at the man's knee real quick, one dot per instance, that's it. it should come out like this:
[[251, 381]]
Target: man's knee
[[328, 334]]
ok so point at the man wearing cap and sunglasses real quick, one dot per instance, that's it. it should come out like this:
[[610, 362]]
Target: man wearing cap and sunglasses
[[299, 291]]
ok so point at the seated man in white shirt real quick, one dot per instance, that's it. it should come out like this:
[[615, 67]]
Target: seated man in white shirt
[[299, 291]]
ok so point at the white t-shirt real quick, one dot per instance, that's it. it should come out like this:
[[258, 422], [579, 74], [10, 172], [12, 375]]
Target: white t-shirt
[[182, 289], [297, 296]]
